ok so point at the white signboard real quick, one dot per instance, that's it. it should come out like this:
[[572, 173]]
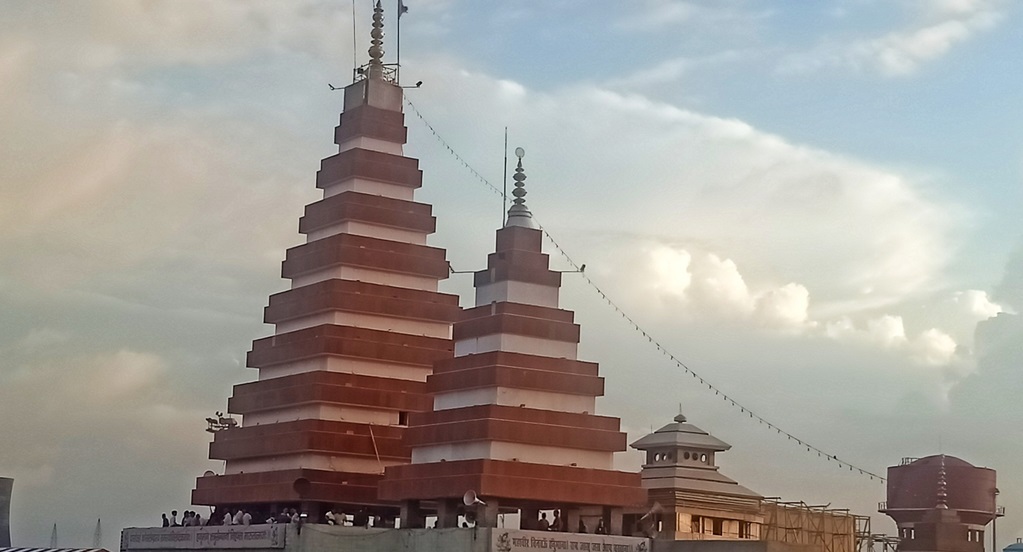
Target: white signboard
[[523, 541], [191, 538]]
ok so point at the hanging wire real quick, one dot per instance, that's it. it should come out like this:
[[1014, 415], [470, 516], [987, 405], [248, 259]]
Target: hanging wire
[[636, 327]]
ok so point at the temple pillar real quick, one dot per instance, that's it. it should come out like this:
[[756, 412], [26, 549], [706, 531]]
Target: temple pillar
[[411, 515], [613, 518], [571, 517], [529, 518], [486, 514], [447, 513]]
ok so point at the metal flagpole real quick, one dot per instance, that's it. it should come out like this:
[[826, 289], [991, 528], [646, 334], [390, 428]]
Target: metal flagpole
[[504, 196], [397, 45]]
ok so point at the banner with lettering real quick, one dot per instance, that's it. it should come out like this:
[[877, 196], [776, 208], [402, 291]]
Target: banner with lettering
[[531, 541], [186, 538]]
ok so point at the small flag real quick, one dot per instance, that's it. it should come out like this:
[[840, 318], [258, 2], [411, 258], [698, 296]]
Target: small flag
[[402, 8]]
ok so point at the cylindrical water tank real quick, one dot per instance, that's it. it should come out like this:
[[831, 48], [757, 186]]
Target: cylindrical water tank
[[913, 489]]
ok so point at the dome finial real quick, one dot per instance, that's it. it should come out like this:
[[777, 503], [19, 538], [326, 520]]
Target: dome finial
[[518, 213], [376, 49], [942, 486]]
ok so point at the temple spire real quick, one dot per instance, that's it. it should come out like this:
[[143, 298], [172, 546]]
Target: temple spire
[[518, 213], [376, 49]]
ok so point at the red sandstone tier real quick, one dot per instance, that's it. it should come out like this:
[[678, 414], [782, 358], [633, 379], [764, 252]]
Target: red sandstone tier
[[289, 486], [505, 358], [521, 426], [370, 165], [335, 388], [347, 341], [518, 482], [371, 122], [382, 443], [351, 206], [365, 252], [362, 298], [516, 370]]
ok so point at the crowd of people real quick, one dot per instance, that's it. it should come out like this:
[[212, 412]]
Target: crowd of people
[[242, 516], [188, 519]]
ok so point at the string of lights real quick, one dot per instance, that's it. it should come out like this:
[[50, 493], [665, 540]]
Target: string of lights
[[637, 328]]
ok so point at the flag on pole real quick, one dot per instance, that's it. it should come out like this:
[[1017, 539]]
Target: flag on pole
[[402, 8]]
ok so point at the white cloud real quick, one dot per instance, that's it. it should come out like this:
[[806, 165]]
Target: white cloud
[[976, 304], [717, 282], [888, 330], [902, 53], [940, 26], [934, 347], [786, 306], [706, 285], [671, 270]]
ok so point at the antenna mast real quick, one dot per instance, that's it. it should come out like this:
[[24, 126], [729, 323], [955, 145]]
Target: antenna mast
[[504, 196], [397, 44], [355, 45]]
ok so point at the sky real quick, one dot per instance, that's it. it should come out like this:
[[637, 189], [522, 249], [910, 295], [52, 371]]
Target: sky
[[813, 205]]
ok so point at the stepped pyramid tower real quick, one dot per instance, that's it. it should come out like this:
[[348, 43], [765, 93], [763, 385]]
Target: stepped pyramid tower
[[356, 335], [513, 411]]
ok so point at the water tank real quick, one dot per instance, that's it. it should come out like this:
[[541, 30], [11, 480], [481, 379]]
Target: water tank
[[913, 489], [6, 486]]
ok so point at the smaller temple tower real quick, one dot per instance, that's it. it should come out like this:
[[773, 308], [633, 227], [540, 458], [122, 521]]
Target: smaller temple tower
[[940, 504], [687, 494], [513, 427]]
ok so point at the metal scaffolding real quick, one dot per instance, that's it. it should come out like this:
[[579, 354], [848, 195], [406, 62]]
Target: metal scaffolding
[[824, 528]]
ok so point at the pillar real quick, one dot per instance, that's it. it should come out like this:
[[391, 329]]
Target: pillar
[[571, 516], [486, 514], [613, 518], [6, 486], [447, 513], [529, 518], [411, 515]]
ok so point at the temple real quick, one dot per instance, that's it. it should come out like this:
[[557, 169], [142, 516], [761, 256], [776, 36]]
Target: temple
[[356, 335], [513, 428], [694, 501]]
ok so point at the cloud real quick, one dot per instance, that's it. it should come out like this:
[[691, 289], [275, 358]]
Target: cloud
[[930, 347], [786, 306], [721, 16], [939, 27], [183, 32], [934, 347], [976, 303]]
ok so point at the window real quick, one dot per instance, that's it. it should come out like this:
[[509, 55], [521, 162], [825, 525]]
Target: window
[[718, 526], [745, 530], [697, 524], [403, 418], [907, 533]]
